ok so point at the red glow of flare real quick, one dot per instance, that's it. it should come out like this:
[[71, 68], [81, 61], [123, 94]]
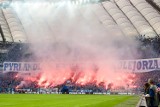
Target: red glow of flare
[[16, 76], [51, 78], [17, 87], [83, 79]]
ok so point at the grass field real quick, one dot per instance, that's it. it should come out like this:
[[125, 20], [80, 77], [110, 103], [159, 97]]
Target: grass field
[[55, 100]]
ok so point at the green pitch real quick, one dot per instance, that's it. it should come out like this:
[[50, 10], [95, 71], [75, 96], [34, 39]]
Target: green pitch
[[54, 100]]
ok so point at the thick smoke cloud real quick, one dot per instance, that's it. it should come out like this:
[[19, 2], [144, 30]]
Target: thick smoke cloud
[[72, 38]]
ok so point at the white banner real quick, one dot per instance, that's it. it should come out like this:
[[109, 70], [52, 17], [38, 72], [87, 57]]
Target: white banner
[[20, 66], [141, 65]]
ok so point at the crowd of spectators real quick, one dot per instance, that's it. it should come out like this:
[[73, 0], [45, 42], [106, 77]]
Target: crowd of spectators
[[142, 78], [9, 83], [149, 47]]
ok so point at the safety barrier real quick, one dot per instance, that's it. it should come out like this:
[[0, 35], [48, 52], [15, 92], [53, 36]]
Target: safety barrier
[[142, 102]]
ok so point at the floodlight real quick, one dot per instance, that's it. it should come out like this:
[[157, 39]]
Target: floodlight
[[5, 3]]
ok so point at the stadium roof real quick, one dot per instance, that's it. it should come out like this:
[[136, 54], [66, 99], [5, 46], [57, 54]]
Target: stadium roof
[[133, 17]]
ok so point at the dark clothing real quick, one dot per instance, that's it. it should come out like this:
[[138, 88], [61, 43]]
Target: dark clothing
[[153, 96], [147, 98], [158, 85], [146, 91], [65, 90]]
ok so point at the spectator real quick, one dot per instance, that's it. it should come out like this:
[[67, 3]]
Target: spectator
[[153, 94], [158, 89], [146, 93], [146, 88]]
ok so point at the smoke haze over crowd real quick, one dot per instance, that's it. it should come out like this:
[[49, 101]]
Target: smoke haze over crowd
[[71, 43]]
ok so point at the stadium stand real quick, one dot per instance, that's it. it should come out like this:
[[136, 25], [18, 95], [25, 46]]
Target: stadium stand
[[134, 17]]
